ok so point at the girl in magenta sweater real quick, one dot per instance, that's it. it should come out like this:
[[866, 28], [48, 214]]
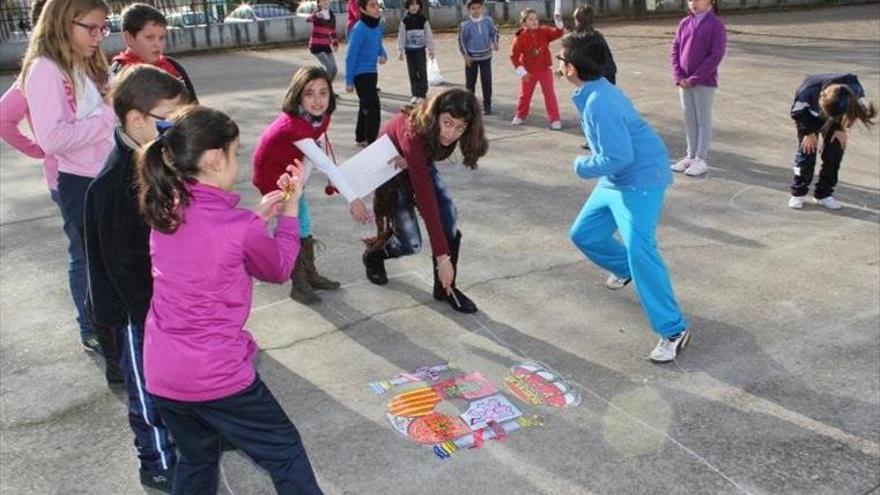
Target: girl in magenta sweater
[[198, 356], [697, 50]]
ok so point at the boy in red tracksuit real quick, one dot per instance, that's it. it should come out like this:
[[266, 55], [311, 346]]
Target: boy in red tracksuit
[[530, 56]]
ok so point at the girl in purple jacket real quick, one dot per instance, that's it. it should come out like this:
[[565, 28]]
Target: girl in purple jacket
[[697, 50], [198, 356]]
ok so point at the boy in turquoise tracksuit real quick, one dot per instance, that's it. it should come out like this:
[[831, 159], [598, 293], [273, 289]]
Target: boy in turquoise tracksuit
[[632, 165]]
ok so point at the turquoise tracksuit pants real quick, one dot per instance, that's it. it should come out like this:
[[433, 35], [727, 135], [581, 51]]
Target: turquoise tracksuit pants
[[305, 221], [635, 213]]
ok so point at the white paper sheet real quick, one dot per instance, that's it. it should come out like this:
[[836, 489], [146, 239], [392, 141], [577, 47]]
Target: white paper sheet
[[370, 169]]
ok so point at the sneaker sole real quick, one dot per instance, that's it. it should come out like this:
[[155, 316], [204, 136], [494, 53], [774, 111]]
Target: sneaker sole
[[618, 288]]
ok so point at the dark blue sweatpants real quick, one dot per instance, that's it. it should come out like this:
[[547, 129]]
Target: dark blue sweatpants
[[255, 423]]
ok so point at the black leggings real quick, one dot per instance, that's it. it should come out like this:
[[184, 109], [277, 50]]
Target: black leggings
[[369, 110]]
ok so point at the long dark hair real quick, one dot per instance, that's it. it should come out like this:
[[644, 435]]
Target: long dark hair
[[460, 104], [301, 78], [583, 19], [171, 162], [840, 105]]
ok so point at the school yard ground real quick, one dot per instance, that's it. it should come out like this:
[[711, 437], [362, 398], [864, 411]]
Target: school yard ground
[[778, 393]]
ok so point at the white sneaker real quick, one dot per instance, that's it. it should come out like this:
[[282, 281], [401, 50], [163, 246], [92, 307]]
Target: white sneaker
[[829, 202], [614, 282], [681, 165], [667, 350], [556, 125], [697, 167], [413, 100], [796, 202], [516, 121]]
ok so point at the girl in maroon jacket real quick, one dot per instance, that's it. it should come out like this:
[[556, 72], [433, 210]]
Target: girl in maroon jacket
[[530, 56], [423, 135], [300, 132]]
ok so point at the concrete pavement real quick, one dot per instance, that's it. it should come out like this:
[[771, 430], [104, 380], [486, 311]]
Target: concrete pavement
[[779, 392]]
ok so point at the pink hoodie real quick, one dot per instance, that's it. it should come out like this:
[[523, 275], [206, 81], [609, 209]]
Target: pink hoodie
[[196, 346], [80, 145], [14, 109]]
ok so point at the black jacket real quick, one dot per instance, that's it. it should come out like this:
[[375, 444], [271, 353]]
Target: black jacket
[[117, 243], [805, 110]]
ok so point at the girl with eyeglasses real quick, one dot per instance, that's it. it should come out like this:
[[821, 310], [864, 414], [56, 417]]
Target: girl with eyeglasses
[[64, 79]]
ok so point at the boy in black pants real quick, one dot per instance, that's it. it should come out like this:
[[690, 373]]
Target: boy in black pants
[[118, 255], [477, 38]]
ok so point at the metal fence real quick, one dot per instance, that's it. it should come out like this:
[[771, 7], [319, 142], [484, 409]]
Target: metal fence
[[15, 21]]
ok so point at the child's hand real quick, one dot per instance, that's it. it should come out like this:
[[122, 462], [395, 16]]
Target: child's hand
[[840, 137], [382, 60], [400, 56], [468, 60], [290, 184], [399, 162], [445, 272], [495, 46], [809, 143], [683, 83], [431, 54], [270, 205], [359, 211], [349, 88]]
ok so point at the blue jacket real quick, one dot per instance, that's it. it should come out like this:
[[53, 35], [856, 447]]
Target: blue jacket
[[364, 49], [627, 153], [476, 39]]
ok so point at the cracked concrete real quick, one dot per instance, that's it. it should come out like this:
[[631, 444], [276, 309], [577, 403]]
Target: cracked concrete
[[779, 392]]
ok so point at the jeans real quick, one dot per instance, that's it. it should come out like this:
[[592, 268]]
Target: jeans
[[71, 200], [407, 238], [635, 213], [328, 60]]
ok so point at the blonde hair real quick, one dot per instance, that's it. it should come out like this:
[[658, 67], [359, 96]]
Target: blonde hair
[[51, 39], [525, 13]]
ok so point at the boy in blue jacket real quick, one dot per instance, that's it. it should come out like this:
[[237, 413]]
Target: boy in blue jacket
[[632, 165], [361, 73], [477, 38]]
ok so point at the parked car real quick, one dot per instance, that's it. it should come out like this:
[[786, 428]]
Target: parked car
[[309, 7], [179, 20], [114, 22], [259, 12]]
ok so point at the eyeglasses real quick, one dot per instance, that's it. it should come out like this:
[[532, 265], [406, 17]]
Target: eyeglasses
[[562, 59], [155, 116], [95, 30]]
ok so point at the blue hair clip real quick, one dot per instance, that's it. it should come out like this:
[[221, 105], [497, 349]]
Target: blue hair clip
[[162, 126]]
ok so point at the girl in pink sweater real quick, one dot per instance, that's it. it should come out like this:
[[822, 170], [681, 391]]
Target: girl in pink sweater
[[64, 78], [198, 356]]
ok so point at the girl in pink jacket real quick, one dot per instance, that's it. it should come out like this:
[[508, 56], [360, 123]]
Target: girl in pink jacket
[[64, 79], [198, 356]]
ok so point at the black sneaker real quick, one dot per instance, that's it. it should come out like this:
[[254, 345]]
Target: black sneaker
[[162, 479], [91, 344]]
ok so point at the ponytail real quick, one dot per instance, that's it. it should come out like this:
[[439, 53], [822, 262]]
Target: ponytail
[[162, 189], [170, 163], [840, 104], [862, 109]]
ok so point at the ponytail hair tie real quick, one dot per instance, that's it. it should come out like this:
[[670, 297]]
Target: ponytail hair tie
[[162, 126]]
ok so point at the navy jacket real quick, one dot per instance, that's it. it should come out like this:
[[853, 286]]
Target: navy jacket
[[805, 110], [117, 243]]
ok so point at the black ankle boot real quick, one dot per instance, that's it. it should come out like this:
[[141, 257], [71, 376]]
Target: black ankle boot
[[374, 262], [456, 298]]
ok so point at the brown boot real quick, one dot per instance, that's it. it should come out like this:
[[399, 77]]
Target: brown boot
[[300, 290], [315, 279]]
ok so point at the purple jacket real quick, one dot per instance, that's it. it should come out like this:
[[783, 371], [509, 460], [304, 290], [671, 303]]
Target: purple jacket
[[697, 50], [196, 347]]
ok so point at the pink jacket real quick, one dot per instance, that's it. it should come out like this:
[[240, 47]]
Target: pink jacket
[[14, 109], [196, 346], [80, 146]]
